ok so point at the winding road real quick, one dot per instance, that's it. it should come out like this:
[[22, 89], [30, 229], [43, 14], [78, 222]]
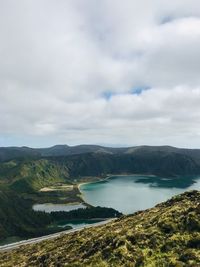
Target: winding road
[[47, 237]]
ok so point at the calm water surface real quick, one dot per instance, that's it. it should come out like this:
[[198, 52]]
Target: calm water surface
[[48, 207], [128, 194]]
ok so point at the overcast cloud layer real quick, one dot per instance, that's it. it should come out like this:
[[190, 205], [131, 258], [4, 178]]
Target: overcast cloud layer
[[105, 72]]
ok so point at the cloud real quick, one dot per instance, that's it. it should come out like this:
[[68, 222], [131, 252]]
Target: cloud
[[78, 72]]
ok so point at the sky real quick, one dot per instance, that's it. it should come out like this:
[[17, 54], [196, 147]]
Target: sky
[[111, 72]]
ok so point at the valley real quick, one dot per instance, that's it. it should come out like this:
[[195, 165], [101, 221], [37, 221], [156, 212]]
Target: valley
[[45, 192]]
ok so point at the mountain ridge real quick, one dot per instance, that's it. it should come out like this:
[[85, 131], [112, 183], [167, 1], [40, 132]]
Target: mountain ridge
[[9, 153]]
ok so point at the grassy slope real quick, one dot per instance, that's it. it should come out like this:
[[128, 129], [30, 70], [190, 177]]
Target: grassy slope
[[32, 174], [166, 235], [27, 177]]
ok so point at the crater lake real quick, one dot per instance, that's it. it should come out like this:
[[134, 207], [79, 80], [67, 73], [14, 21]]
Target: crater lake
[[129, 194]]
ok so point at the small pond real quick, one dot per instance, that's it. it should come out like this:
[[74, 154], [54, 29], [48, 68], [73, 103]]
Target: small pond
[[49, 207]]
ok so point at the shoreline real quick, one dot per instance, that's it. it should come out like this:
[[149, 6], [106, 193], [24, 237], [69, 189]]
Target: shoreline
[[93, 179], [101, 179], [83, 183], [108, 176], [88, 180]]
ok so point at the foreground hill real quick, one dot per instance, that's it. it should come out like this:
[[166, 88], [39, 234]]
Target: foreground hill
[[166, 235]]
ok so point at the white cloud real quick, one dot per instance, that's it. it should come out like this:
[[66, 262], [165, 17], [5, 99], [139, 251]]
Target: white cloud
[[59, 58]]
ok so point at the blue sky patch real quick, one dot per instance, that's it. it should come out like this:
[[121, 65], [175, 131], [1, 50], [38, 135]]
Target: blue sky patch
[[108, 94], [166, 19], [139, 90]]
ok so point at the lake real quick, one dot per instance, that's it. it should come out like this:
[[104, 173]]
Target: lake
[[128, 194], [49, 207]]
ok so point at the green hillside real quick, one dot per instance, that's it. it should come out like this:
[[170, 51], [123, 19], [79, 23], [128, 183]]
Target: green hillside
[[166, 235], [159, 163], [20, 184], [32, 169], [17, 219], [30, 175]]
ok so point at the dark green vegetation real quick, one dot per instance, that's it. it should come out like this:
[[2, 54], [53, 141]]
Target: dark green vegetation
[[87, 213], [8, 153], [166, 235], [27, 177], [181, 182], [20, 182], [18, 219]]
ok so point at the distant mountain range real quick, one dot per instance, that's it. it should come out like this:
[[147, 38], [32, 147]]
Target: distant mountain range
[[7, 153], [88, 160]]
